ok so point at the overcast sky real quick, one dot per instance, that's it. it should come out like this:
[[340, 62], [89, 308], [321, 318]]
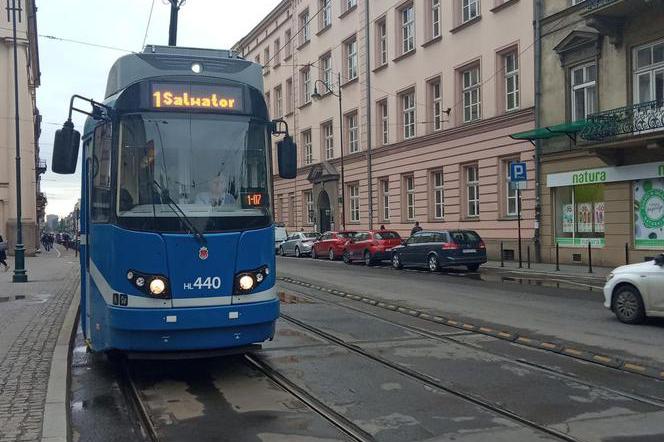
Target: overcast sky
[[70, 68]]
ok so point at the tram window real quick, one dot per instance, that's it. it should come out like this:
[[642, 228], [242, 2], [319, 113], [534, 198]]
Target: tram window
[[101, 174]]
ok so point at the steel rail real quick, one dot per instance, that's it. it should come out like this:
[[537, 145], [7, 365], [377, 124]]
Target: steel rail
[[130, 391]]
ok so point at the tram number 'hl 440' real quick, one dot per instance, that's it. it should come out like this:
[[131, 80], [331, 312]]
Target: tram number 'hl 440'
[[209, 283]]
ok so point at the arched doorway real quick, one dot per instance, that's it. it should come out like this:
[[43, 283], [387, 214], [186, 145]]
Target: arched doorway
[[324, 211]]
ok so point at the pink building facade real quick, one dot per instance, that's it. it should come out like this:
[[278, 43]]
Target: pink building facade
[[430, 91]]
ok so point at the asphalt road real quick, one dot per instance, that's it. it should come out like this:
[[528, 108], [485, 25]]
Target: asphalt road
[[553, 311]]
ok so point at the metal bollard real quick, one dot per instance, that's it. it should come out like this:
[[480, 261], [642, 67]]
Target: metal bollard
[[502, 255], [590, 258], [557, 257], [528, 255], [626, 253]]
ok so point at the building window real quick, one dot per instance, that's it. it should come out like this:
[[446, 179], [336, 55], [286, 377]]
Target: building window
[[305, 80], [349, 4], [438, 191], [307, 148], [309, 204], [576, 2], [305, 32], [353, 141], [469, 10], [407, 14], [649, 73], [472, 191], [354, 194], [584, 91], [384, 122], [257, 59], [291, 209], [351, 58], [435, 105], [326, 13], [580, 215], [268, 101], [381, 40], [328, 140], [408, 114], [289, 95], [409, 187], [266, 56], [435, 18], [511, 194], [511, 66], [278, 102], [277, 52], [384, 188], [471, 94], [288, 46], [326, 67]]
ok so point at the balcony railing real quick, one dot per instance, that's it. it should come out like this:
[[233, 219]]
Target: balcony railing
[[591, 5], [637, 119]]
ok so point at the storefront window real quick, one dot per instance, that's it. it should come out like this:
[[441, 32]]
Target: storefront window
[[649, 213], [580, 215]]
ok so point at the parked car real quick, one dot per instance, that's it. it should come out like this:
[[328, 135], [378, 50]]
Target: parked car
[[441, 248], [298, 244], [280, 235], [636, 291], [331, 244], [371, 247]]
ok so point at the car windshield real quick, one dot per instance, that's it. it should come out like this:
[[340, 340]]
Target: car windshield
[[387, 235], [213, 167], [311, 235], [346, 235]]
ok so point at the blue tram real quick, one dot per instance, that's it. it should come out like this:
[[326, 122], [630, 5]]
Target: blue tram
[[177, 232]]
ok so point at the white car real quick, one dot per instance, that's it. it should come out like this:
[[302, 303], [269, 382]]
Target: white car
[[635, 291]]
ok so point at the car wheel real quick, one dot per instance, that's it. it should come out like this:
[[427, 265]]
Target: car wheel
[[297, 252], [473, 267], [628, 305], [346, 257], [396, 261], [313, 253], [330, 254], [432, 263], [368, 260], [281, 251]]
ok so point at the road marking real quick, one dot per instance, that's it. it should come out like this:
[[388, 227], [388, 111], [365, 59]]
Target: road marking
[[600, 358], [548, 345], [486, 329], [504, 334], [451, 322], [573, 351], [469, 326], [524, 339], [634, 367]]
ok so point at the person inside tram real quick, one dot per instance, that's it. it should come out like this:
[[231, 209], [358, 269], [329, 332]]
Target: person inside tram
[[217, 195]]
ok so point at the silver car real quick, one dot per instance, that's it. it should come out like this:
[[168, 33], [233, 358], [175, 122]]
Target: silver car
[[298, 244]]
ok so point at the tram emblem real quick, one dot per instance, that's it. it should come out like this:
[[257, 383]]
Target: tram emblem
[[203, 253]]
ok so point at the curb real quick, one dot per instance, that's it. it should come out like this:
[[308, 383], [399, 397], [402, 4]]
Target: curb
[[549, 274], [55, 423], [575, 351]]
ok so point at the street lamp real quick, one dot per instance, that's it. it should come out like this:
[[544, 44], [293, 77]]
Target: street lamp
[[317, 96]]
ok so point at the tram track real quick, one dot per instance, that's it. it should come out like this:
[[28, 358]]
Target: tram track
[[130, 391], [428, 380], [519, 361]]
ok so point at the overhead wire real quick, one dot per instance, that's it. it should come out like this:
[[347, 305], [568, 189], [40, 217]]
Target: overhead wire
[[147, 27]]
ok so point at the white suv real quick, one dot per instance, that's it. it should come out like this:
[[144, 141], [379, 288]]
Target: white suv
[[635, 291]]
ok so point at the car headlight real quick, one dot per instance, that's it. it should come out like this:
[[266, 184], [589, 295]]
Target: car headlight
[[246, 282], [609, 277]]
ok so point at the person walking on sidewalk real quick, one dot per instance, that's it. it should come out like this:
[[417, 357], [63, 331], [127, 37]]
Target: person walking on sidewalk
[[415, 229], [3, 253]]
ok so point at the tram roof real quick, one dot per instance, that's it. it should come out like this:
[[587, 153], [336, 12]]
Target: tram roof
[[164, 61]]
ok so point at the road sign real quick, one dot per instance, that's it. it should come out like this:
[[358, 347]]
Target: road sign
[[518, 185], [518, 172]]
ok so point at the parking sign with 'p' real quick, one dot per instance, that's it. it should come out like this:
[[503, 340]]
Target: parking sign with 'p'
[[518, 172]]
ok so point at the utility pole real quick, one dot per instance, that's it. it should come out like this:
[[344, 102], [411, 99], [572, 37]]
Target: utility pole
[[369, 120], [173, 27], [20, 274]]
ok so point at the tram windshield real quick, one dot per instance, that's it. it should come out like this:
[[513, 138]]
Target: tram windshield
[[212, 167]]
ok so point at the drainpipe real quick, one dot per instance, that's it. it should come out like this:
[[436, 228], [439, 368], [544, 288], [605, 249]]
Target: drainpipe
[[538, 143], [367, 47]]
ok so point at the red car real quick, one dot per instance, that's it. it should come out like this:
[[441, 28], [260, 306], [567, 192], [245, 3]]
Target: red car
[[371, 247], [331, 244]]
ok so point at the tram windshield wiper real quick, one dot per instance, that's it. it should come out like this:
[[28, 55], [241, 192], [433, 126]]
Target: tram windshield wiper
[[179, 213]]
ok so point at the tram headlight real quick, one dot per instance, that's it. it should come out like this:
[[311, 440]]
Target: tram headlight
[[246, 282], [157, 286]]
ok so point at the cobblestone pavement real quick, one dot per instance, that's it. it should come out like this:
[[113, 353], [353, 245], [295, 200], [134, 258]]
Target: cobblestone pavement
[[31, 316]]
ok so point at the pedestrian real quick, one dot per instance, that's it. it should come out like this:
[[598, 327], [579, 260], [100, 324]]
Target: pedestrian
[[415, 229], [382, 227], [3, 253]]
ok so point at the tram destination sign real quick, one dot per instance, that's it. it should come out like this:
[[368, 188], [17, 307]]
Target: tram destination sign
[[196, 96]]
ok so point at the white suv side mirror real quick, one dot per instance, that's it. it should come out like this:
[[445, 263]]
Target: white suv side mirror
[[659, 260]]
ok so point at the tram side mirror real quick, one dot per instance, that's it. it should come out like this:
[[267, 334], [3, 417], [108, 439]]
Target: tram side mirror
[[287, 158], [65, 149]]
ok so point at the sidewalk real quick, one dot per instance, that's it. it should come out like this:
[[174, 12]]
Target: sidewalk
[[576, 271], [31, 316]]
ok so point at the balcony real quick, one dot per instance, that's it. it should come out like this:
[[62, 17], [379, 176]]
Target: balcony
[[609, 16], [40, 167], [638, 119]]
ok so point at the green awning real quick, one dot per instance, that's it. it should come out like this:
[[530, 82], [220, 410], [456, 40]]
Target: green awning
[[544, 133]]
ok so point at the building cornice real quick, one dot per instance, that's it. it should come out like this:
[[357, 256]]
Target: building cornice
[[260, 27]]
